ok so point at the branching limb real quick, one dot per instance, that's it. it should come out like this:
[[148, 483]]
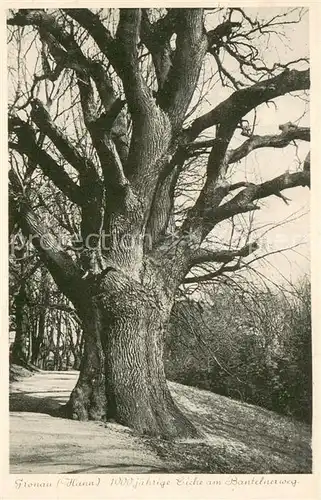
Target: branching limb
[[198, 226], [59, 263], [210, 276], [191, 47], [27, 145], [221, 33], [254, 142], [102, 36], [161, 209], [99, 128], [61, 44], [67, 53], [244, 100], [288, 135], [156, 37], [245, 200], [100, 132], [216, 188], [42, 119], [139, 97], [203, 255]]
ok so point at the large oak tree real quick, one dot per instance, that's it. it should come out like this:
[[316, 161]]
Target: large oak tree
[[116, 154]]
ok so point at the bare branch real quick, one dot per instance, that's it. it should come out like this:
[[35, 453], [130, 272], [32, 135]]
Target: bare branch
[[59, 263], [156, 37], [244, 201], [27, 145], [210, 276], [289, 134], [244, 100], [224, 256], [102, 36], [191, 47], [42, 119]]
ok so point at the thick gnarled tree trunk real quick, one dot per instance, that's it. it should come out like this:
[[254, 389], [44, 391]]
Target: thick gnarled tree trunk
[[122, 375]]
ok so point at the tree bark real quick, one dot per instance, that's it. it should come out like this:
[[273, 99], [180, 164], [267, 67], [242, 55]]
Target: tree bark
[[122, 375], [37, 340], [20, 351], [88, 399]]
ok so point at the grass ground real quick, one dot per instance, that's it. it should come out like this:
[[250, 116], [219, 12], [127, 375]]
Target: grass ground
[[238, 438]]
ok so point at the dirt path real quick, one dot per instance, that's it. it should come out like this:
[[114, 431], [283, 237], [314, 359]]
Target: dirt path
[[238, 437], [43, 444]]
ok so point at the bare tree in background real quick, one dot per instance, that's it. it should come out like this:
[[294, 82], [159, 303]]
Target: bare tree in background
[[108, 122]]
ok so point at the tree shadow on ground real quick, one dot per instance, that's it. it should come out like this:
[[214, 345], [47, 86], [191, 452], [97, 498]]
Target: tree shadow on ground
[[127, 468], [53, 405]]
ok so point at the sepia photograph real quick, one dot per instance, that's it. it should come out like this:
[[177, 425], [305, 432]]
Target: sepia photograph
[[159, 243]]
